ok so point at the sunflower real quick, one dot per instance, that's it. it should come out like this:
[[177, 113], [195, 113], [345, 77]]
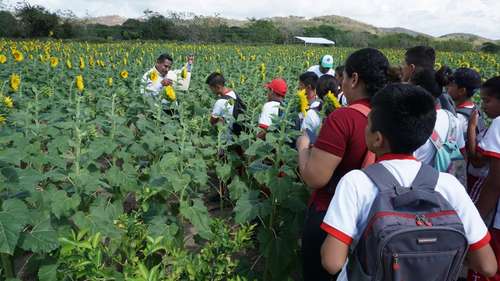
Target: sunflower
[[333, 100], [124, 74], [54, 62], [18, 56], [184, 73], [79, 83], [3, 59], [170, 93], [153, 75], [82, 63], [2, 119], [110, 81], [15, 81], [68, 64], [8, 102], [303, 102]]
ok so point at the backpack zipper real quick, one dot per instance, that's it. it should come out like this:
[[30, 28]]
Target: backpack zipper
[[420, 220]]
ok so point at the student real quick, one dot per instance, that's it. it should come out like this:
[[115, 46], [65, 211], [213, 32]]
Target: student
[[401, 120], [311, 120], [489, 152], [447, 130], [223, 107], [276, 93], [340, 148], [324, 67], [339, 75], [462, 85], [415, 58], [327, 84]]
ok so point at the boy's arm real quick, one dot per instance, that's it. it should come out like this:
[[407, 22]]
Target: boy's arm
[[333, 254], [490, 190], [483, 261]]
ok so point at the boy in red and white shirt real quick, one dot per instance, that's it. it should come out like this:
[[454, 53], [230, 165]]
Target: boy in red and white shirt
[[462, 86], [276, 94], [401, 120], [489, 152]]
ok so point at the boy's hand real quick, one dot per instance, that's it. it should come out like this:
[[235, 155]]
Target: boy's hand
[[303, 142], [166, 82], [474, 119]]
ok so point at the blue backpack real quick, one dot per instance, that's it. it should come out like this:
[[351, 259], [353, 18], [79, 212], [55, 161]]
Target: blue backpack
[[447, 152]]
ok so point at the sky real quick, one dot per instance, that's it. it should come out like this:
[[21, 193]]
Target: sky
[[434, 17]]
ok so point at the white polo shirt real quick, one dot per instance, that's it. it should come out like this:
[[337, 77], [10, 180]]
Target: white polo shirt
[[153, 88], [489, 146], [312, 121], [315, 69], [223, 108], [347, 215], [270, 110], [426, 152]]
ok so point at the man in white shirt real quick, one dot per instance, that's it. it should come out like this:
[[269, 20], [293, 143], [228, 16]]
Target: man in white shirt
[[325, 66], [222, 111], [161, 76], [276, 94]]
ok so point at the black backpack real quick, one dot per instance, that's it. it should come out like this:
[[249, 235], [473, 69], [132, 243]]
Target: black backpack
[[413, 233], [239, 107], [467, 112]]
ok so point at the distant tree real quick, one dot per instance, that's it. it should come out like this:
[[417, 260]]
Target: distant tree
[[36, 21], [263, 31], [490, 47], [9, 24]]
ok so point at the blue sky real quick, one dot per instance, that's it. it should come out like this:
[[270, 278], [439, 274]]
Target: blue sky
[[435, 17]]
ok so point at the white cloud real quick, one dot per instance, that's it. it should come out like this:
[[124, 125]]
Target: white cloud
[[435, 17]]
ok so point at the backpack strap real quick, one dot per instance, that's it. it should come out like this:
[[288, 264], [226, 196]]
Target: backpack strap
[[369, 156], [381, 177], [467, 112], [452, 128], [427, 178]]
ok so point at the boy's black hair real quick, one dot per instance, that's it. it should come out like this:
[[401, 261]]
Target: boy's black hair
[[395, 74], [421, 56], [467, 78], [215, 79], [327, 83], [163, 57], [309, 79], [443, 76], [493, 87], [426, 78], [371, 66], [405, 115], [340, 70]]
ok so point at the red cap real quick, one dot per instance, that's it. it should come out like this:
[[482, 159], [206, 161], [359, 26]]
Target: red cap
[[278, 86]]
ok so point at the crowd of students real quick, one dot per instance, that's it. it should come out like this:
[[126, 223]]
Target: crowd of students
[[401, 119], [406, 161]]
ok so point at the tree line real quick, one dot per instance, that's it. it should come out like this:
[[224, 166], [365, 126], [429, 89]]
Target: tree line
[[34, 21]]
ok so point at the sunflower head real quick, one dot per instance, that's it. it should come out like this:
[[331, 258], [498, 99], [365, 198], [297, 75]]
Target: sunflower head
[[79, 83], [3, 59], [2, 119], [303, 102], [15, 81], [170, 93], [124, 74], [333, 100], [8, 102], [110, 81], [54, 62], [184, 73], [18, 56], [153, 75]]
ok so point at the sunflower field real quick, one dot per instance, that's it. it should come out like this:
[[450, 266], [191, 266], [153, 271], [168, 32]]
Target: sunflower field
[[98, 182]]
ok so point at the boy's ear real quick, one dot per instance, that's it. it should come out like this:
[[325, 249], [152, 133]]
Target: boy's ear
[[379, 141]]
